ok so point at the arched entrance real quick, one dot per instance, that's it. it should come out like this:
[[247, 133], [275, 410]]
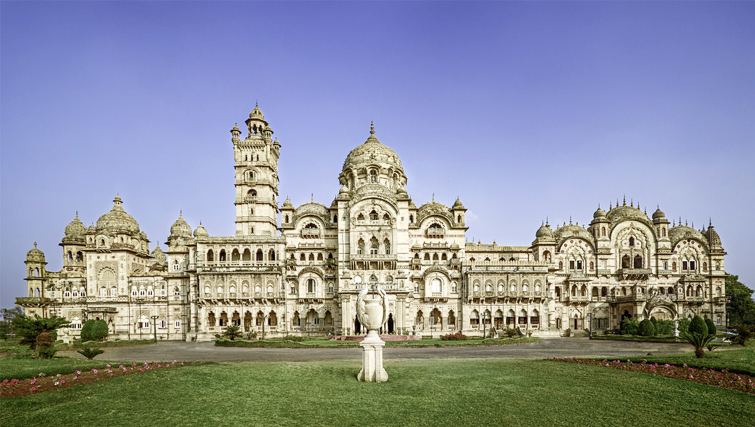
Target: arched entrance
[[390, 323], [357, 327]]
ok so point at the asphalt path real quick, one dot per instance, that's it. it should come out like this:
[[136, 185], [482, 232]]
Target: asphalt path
[[544, 348]]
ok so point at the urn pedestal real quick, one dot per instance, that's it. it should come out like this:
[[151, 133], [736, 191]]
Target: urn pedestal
[[372, 359], [372, 314]]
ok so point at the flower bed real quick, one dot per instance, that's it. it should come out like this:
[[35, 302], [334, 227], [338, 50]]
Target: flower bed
[[44, 382], [722, 378]]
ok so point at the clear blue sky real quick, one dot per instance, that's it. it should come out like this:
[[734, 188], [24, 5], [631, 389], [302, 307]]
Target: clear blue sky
[[525, 110]]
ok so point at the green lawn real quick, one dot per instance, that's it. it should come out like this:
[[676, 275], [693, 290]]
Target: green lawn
[[736, 358], [419, 392]]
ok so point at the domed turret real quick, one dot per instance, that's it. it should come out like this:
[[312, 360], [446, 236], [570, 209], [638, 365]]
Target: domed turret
[[458, 204], [658, 215], [200, 231], [35, 255], [180, 228], [544, 232], [75, 231], [599, 214], [158, 255], [287, 204], [713, 238], [117, 221]]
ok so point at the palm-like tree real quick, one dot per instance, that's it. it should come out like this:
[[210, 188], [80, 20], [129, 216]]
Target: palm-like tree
[[38, 330], [232, 332]]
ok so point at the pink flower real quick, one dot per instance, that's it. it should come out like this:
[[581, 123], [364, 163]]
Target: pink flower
[[33, 389], [78, 372], [62, 381], [76, 377], [34, 381]]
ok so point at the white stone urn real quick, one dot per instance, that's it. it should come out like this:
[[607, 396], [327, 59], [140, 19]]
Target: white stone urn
[[372, 312]]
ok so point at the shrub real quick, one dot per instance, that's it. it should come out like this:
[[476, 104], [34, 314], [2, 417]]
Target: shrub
[[294, 338], [90, 352], [232, 332], [511, 332], [711, 326], [698, 326], [629, 327], [458, 336], [647, 328], [251, 336], [87, 330], [664, 327], [100, 330], [684, 325]]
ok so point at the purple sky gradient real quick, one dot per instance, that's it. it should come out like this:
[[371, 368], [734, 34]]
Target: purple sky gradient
[[525, 110]]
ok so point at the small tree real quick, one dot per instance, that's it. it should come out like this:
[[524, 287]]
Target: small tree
[[647, 328], [30, 328], [232, 332], [87, 330], [711, 326], [100, 330], [698, 336]]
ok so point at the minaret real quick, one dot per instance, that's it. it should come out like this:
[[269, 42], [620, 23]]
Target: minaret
[[256, 164]]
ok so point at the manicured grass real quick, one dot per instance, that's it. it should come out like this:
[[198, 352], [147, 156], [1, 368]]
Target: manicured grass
[[634, 338], [27, 368], [419, 392], [736, 358]]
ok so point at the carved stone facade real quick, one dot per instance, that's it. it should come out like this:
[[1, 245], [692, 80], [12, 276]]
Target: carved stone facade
[[298, 270]]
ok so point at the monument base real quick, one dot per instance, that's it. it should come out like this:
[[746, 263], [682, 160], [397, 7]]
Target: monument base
[[372, 359]]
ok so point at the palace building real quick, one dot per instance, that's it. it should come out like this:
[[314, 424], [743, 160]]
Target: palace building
[[292, 270]]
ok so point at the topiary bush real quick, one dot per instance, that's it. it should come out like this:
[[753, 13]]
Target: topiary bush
[[100, 330], [684, 325], [711, 326], [629, 327], [647, 328], [87, 331], [664, 327], [698, 326]]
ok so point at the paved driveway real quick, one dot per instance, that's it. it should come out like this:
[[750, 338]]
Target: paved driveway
[[544, 348]]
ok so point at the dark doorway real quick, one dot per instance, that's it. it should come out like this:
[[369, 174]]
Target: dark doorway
[[390, 323], [357, 327]]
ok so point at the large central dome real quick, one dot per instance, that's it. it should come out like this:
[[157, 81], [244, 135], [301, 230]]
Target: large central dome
[[372, 152], [372, 163], [117, 220]]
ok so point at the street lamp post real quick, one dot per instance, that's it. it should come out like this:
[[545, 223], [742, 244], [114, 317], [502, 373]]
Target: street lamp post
[[154, 325]]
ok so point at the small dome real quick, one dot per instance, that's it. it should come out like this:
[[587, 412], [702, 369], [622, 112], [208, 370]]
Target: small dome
[[713, 238], [544, 232], [658, 215], [287, 204], [180, 228], [75, 231], [201, 231], [158, 255], [92, 229], [143, 235], [35, 255], [458, 204], [117, 220], [256, 113], [599, 214]]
